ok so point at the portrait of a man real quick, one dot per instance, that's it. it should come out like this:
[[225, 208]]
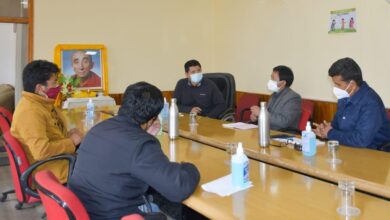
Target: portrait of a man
[[83, 66]]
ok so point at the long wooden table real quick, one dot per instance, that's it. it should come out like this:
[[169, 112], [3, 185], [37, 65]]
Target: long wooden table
[[277, 193], [370, 169]]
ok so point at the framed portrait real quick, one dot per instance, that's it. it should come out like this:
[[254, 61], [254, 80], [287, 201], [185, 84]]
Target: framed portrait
[[84, 65]]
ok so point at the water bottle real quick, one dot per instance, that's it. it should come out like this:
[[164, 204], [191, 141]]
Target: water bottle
[[165, 112], [240, 168], [309, 147], [173, 123], [89, 116], [263, 121], [90, 109]]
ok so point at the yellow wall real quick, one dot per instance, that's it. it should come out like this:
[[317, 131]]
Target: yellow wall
[[147, 40], [151, 39]]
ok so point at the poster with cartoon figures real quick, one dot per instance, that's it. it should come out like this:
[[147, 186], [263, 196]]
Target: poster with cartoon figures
[[342, 21]]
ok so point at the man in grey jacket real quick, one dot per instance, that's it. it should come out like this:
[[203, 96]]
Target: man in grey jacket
[[284, 105]]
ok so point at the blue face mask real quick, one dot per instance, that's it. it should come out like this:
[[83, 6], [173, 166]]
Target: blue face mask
[[196, 78]]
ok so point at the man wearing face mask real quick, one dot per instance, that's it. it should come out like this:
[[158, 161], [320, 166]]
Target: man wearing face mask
[[284, 105], [361, 119], [38, 125], [121, 158], [197, 94]]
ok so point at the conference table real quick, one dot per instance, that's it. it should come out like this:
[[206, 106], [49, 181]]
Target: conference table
[[369, 169], [277, 193]]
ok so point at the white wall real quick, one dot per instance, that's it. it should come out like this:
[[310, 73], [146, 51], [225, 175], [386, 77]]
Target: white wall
[[146, 39], [7, 54], [253, 36], [150, 40]]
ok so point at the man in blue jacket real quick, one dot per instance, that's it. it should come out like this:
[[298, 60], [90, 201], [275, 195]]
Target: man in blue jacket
[[120, 159], [361, 119]]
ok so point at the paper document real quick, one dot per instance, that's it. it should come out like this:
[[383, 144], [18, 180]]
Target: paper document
[[240, 125], [296, 141], [223, 186]]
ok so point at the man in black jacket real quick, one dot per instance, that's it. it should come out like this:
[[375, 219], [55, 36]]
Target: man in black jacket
[[120, 158], [197, 94]]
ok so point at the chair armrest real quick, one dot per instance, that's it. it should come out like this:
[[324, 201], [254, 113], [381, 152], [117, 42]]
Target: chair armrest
[[26, 174], [242, 112], [227, 115]]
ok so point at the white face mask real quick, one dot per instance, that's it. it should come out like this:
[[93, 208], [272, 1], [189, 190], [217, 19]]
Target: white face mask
[[196, 78], [272, 86], [341, 93]]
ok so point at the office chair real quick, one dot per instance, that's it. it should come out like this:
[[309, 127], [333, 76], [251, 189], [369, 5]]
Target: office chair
[[61, 203], [21, 169], [307, 111], [227, 85], [243, 107]]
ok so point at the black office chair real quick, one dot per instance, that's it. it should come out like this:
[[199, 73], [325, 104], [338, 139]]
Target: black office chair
[[227, 85]]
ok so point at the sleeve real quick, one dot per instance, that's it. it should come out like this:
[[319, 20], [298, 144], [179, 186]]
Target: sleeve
[[32, 133], [218, 102], [362, 135], [175, 181], [291, 111], [178, 94]]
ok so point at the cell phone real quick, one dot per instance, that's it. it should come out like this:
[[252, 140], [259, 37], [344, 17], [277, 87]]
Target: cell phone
[[282, 136]]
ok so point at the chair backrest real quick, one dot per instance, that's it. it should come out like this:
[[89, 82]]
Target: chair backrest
[[7, 114], [243, 107], [388, 114], [59, 202], [226, 84], [307, 111], [17, 159]]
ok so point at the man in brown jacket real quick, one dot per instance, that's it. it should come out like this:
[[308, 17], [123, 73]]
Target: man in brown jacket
[[37, 124]]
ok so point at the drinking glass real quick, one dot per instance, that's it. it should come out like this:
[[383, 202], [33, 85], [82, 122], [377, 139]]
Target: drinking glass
[[333, 147], [347, 198]]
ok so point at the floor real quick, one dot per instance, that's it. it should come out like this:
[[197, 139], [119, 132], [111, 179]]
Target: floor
[[7, 209]]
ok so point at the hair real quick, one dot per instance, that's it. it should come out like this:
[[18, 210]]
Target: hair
[[348, 69], [285, 73], [38, 72], [190, 63], [141, 102]]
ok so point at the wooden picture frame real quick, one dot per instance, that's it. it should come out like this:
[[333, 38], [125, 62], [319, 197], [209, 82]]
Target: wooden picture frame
[[85, 62]]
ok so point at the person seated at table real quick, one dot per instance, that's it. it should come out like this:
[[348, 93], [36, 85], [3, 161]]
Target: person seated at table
[[197, 94], [38, 125], [361, 119], [121, 158], [284, 105]]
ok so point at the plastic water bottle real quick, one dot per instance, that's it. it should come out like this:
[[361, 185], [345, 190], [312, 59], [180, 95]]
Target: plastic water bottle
[[165, 112], [309, 147], [173, 123], [90, 109], [263, 121], [240, 168]]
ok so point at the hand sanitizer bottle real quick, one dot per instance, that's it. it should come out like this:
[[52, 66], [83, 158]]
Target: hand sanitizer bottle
[[240, 168], [309, 147]]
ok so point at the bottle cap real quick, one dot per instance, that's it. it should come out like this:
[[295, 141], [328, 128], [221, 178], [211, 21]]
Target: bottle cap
[[308, 127], [262, 104], [165, 100], [240, 150]]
